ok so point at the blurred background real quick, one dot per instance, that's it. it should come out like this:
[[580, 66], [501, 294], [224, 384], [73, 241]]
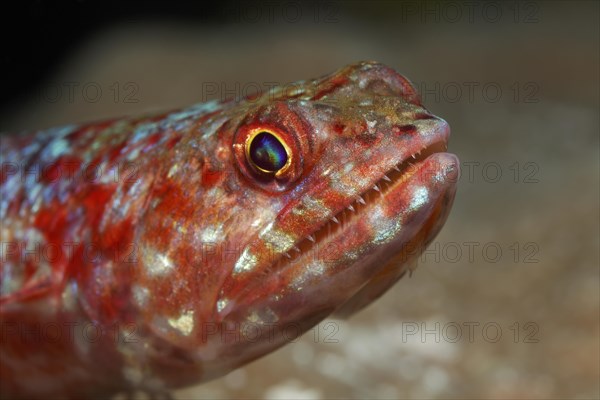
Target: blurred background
[[505, 304]]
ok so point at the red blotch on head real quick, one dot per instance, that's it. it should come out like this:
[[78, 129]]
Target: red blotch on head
[[152, 140], [95, 203], [77, 134], [53, 221], [116, 151], [172, 142], [339, 128], [210, 176]]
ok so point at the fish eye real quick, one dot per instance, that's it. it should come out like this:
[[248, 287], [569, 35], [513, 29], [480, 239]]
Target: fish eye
[[267, 152], [272, 147]]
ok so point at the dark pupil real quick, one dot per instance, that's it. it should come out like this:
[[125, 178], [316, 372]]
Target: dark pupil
[[267, 152]]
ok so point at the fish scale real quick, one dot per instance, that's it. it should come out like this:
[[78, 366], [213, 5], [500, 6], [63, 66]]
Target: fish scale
[[152, 253]]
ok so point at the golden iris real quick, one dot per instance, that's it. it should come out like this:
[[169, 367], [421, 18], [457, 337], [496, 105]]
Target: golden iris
[[267, 152]]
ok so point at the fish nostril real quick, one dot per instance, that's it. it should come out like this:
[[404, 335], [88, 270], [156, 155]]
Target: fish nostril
[[423, 116], [409, 129]]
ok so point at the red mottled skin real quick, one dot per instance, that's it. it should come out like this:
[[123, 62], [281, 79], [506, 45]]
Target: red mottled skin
[[147, 254]]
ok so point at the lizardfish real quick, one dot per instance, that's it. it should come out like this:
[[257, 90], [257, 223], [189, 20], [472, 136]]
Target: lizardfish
[[158, 252]]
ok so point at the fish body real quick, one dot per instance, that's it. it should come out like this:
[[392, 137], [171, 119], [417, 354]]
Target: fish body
[[157, 252]]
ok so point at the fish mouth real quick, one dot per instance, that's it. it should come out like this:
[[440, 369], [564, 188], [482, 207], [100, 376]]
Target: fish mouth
[[394, 177]]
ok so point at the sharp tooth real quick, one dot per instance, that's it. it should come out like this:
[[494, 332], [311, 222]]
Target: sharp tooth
[[413, 156], [334, 219], [376, 187], [296, 249], [311, 238], [360, 200], [396, 168], [385, 178], [350, 207], [287, 255]]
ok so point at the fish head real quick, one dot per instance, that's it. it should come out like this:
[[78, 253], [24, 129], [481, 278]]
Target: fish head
[[308, 200]]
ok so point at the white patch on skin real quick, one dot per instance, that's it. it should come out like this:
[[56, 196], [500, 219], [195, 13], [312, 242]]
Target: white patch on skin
[[254, 318], [352, 255], [279, 240], [360, 181], [29, 150], [256, 222], [339, 184], [371, 126], [69, 296], [314, 206], [143, 131], [313, 269], [172, 170], [56, 148], [214, 192], [184, 323], [157, 264], [385, 228], [133, 375], [7, 193], [105, 175], [140, 295], [33, 192], [212, 233], [212, 128], [203, 108], [245, 263], [420, 197], [134, 154], [36, 206], [262, 316], [221, 304], [296, 92]]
